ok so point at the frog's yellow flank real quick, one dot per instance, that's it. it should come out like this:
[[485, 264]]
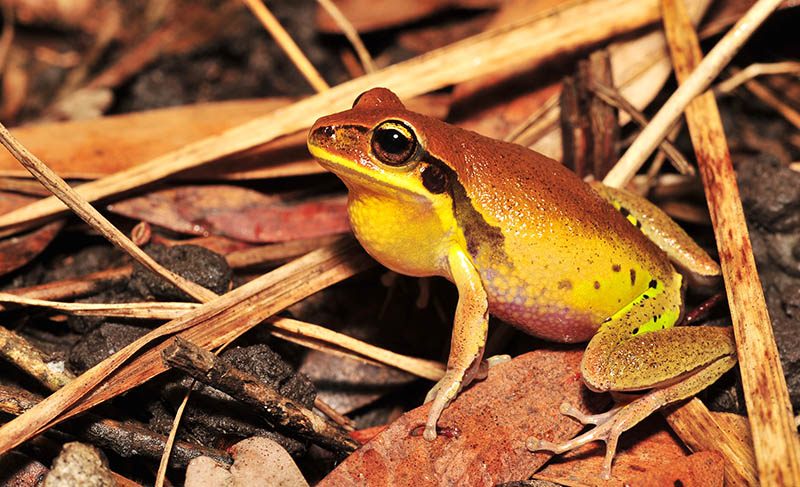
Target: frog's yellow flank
[[525, 239]]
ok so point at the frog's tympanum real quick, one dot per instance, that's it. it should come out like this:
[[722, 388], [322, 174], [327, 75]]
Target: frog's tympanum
[[525, 239]]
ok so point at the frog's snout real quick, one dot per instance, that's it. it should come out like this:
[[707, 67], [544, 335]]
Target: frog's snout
[[321, 135]]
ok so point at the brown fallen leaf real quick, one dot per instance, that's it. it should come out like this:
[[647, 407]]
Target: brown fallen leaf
[[648, 456], [239, 213], [17, 251], [88, 149], [493, 418], [371, 15]]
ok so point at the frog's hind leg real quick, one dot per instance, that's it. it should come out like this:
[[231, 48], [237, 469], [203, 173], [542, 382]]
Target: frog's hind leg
[[684, 252], [610, 425], [639, 349]]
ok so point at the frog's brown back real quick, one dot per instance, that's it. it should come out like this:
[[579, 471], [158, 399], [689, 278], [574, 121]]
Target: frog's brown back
[[514, 185]]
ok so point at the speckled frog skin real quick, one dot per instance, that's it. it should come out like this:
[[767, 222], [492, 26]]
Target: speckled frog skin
[[525, 239]]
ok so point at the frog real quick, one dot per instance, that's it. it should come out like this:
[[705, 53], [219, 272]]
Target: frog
[[525, 239]]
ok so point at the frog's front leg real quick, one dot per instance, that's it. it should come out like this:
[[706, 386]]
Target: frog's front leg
[[469, 337], [638, 349]]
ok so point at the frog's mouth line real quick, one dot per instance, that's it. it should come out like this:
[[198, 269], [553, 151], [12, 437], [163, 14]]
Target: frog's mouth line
[[349, 171]]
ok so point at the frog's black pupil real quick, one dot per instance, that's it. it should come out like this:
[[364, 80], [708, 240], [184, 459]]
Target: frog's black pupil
[[392, 141], [393, 146]]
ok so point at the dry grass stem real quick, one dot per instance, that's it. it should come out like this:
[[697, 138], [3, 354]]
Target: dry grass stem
[[145, 310], [24, 186], [334, 415], [276, 252], [73, 288], [8, 34], [777, 448], [696, 83], [557, 31], [287, 44], [308, 334], [755, 70], [351, 33], [161, 474], [537, 121], [94, 218]]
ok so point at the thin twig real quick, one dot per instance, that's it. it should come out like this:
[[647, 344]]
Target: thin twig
[[287, 44], [767, 96], [351, 33], [696, 83], [754, 70]]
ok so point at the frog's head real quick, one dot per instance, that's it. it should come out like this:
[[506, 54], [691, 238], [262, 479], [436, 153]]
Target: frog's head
[[380, 147], [394, 163]]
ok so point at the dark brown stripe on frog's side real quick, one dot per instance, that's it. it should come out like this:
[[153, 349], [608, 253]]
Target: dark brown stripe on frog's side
[[479, 234]]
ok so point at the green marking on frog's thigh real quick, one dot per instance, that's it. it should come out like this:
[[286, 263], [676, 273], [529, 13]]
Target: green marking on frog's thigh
[[642, 316], [626, 213]]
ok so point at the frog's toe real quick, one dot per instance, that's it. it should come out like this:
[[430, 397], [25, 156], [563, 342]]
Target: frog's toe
[[609, 426], [575, 413], [431, 395]]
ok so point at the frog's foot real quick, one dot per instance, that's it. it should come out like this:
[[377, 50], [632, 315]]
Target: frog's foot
[[608, 427], [455, 379], [440, 395]]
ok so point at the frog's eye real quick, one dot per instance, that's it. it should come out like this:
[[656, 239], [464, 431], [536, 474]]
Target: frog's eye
[[393, 143]]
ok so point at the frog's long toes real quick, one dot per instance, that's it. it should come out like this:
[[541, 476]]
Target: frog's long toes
[[596, 419], [607, 430]]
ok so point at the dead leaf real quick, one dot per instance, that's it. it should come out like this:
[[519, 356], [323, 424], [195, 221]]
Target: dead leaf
[[649, 455], [493, 419], [89, 149], [370, 15], [20, 249], [239, 213]]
